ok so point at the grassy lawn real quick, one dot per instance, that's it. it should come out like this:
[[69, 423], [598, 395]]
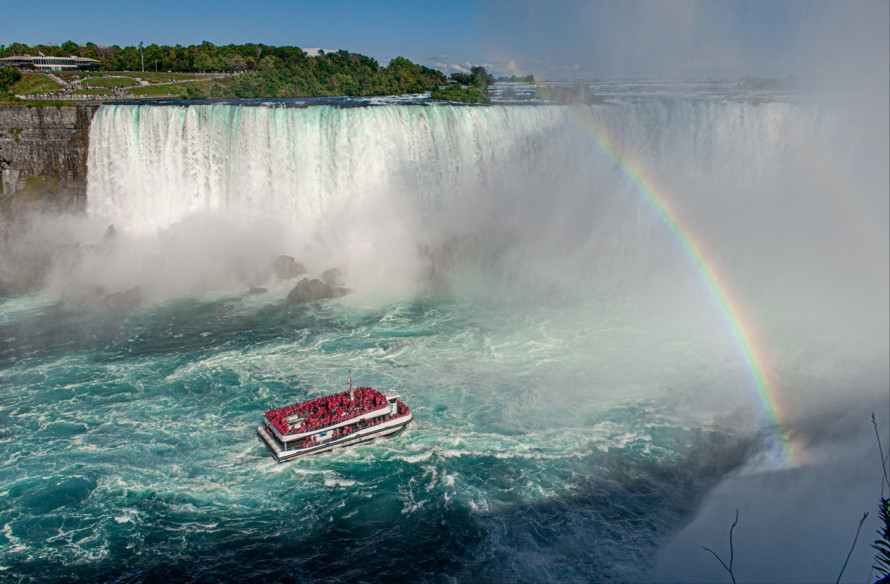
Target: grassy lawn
[[108, 82], [161, 76], [93, 92], [147, 90], [31, 83], [127, 78], [160, 84]]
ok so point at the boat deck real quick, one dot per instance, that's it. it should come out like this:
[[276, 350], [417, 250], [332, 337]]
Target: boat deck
[[324, 423], [365, 435]]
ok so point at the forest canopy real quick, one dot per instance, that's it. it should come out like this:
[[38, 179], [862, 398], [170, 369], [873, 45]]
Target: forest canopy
[[256, 70]]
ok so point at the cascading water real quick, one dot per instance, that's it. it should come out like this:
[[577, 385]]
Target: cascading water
[[576, 386]]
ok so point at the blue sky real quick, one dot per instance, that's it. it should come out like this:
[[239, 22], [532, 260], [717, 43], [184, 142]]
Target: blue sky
[[550, 39]]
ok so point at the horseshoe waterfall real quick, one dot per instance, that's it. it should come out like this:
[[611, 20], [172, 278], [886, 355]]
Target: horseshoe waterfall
[[616, 322]]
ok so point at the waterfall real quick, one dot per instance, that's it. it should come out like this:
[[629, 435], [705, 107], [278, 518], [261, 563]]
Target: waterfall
[[533, 194], [153, 166], [543, 190], [538, 279]]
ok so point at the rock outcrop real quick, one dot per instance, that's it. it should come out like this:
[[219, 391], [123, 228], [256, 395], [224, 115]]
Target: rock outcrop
[[313, 290], [43, 158], [334, 277], [287, 267], [123, 300]]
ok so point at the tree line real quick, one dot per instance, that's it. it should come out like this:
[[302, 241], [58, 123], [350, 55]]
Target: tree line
[[264, 71], [469, 87]]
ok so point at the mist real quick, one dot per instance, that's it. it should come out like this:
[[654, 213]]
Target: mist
[[802, 229], [786, 196], [837, 44]]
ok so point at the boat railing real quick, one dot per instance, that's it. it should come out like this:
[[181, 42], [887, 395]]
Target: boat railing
[[346, 422]]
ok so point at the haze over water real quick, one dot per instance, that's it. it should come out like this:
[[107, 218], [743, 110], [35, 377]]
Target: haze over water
[[582, 410]]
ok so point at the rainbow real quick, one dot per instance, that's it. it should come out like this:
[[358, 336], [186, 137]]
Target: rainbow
[[730, 308]]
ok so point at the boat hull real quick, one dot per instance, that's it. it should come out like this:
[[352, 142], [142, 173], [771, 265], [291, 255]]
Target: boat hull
[[366, 435]]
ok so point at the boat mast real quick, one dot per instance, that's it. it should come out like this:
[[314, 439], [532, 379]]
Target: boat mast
[[349, 383]]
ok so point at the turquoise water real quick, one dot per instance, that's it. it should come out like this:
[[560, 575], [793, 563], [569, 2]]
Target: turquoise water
[[577, 392], [130, 452]]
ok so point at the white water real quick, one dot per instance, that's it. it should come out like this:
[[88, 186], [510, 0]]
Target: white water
[[572, 285], [525, 197]]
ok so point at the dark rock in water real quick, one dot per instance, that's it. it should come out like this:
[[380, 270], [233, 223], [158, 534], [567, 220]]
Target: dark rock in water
[[257, 290], [110, 233], [128, 299], [83, 296], [287, 267], [311, 290], [334, 277]]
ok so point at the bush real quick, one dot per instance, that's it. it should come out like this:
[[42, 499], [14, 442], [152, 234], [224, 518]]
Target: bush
[[8, 76], [458, 94]]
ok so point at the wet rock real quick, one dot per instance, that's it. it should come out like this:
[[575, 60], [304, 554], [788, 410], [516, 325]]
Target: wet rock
[[287, 267], [334, 277], [257, 290], [83, 296], [312, 290], [110, 233], [121, 300]]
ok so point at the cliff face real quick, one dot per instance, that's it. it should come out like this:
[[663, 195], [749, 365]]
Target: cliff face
[[43, 157]]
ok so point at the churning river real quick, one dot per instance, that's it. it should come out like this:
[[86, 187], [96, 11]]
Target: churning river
[[600, 314]]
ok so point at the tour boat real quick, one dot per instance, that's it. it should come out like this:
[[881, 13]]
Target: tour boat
[[324, 423]]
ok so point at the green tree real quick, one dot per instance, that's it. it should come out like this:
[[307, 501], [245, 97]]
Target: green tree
[[462, 78], [126, 60], [478, 80], [237, 63], [481, 78], [203, 62], [153, 55], [459, 94], [267, 63], [8, 76], [70, 48], [90, 51]]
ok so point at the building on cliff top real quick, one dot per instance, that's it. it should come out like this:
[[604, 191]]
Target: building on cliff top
[[44, 63]]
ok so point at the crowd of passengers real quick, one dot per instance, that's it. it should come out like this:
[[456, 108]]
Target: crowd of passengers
[[347, 430], [326, 410]]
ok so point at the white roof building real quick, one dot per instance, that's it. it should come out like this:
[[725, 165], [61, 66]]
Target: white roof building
[[44, 63]]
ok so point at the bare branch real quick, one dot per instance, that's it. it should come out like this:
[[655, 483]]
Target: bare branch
[[861, 521], [725, 567], [732, 552], [886, 481]]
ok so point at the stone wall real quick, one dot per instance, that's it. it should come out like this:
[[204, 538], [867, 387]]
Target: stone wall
[[43, 157]]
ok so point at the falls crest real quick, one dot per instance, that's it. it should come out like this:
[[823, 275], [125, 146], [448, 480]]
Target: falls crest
[[540, 193], [153, 166]]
